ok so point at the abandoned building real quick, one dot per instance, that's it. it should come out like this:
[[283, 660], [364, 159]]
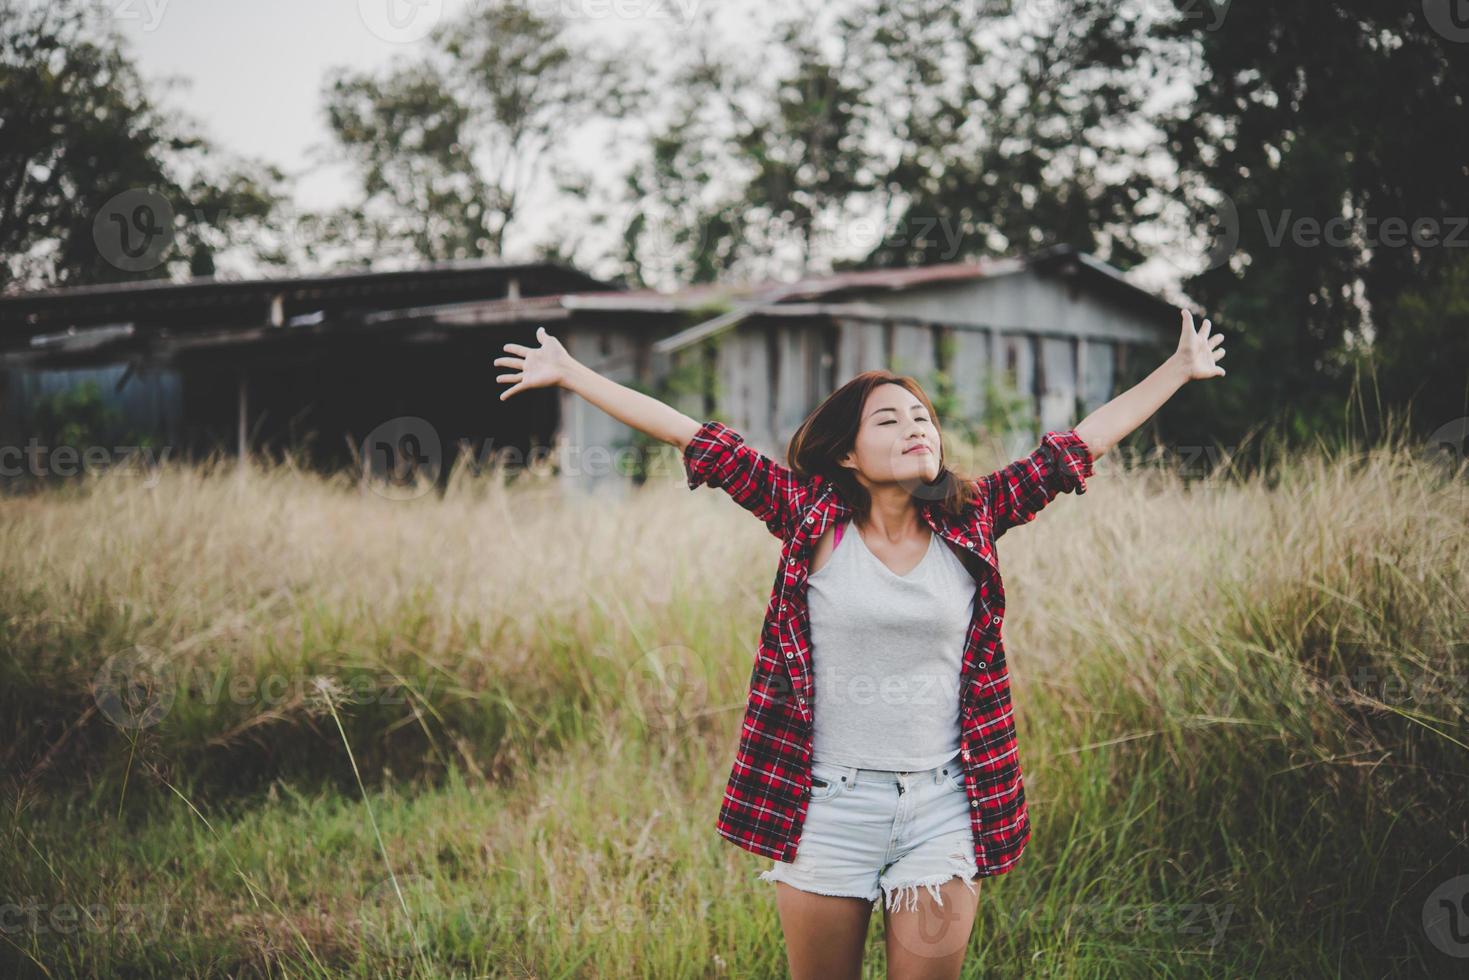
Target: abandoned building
[[319, 364]]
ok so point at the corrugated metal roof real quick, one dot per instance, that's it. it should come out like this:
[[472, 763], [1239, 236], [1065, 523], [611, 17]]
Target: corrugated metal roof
[[780, 291], [82, 305], [1061, 259], [871, 280], [359, 299]]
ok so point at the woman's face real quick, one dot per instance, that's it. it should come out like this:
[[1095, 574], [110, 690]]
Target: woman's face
[[897, 441]]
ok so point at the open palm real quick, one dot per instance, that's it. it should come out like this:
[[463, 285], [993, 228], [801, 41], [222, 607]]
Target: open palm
[[1197, 349], [536, 367]]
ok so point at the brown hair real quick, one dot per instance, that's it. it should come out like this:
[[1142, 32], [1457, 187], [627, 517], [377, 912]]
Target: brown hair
[[830, 432]]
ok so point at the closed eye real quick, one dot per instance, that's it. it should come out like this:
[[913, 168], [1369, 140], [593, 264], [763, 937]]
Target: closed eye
[[920, 418]]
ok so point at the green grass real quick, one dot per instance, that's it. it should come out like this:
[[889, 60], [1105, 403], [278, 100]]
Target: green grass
[[487, 735]]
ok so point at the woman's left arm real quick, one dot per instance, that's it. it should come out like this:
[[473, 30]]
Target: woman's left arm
[[1063, 461], [1197, 357]]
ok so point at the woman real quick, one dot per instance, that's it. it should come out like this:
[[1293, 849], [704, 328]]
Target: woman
[[895, 770]]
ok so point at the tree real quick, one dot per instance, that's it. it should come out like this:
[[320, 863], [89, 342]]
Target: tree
[[1425, 365], [449, 146], [97, 184], [1010, 126], [924, 131], [688, 217], [1320, 126]]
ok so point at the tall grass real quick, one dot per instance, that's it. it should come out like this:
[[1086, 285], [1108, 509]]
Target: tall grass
[[486, 734]]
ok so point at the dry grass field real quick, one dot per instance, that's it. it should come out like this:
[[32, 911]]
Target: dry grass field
[[263, 723]]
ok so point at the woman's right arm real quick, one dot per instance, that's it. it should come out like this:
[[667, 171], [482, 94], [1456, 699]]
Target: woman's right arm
[[551, 364], [713, 453]]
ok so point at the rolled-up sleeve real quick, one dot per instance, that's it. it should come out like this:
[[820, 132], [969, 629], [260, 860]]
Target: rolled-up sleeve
[[717, 455], [1070, 461], [1062, 463], [709, 447]]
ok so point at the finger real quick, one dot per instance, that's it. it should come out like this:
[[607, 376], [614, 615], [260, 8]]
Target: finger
[[1218, 338], [517, 349], [1219, 353], [515, 362], [1188, 325], [507, 378], [1204, 331], [510, 391]]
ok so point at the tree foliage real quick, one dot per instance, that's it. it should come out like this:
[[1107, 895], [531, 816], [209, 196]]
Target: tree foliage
[[450, 145], [79, 133]]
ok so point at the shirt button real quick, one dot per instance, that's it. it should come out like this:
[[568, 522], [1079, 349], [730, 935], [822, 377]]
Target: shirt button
[[789, 655], [810, 518], [974, 803], [790, 561], [998, 619]]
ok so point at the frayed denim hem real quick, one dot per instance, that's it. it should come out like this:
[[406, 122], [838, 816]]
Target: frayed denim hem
[[771, 874], [964, 867]]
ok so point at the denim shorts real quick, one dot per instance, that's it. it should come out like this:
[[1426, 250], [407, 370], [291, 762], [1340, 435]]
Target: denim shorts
[[872, 832]]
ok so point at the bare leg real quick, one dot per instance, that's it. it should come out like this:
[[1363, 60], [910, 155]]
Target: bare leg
[[825, 934], [929, 943]]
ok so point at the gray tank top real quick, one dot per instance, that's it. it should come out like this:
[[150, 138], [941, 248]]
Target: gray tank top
[[887, 652]]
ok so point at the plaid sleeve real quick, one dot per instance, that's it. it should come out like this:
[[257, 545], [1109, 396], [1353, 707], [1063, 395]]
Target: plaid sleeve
[[719, 456], [1014, 494]]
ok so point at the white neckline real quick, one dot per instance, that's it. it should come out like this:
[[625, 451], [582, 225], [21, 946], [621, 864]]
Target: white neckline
[[907, 576]]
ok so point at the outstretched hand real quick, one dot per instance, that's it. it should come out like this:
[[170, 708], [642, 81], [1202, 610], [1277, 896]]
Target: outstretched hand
[[538, 367], [1196, 350]]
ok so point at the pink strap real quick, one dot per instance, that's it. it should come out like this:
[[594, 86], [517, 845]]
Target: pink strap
[[838, 536]]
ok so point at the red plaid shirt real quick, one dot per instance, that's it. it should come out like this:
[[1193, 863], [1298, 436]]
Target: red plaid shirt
[[765, 799]]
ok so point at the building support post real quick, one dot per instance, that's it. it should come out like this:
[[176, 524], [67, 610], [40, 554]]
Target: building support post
[[242, 432], [1081, 356]]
